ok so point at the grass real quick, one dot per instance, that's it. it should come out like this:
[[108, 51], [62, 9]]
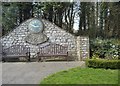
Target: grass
[[83, 76]]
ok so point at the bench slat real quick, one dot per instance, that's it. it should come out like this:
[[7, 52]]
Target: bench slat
[[52, 50]]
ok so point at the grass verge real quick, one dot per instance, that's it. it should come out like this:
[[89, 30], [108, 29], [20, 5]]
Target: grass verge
[[83, 76]]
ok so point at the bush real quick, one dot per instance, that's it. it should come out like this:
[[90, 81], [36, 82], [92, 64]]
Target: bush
[[103, 63], [108, 49]]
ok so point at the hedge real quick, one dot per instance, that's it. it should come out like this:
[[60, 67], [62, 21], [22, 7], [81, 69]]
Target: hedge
[[103, 63]]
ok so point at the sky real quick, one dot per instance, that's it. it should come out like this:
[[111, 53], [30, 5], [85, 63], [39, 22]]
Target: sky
[[76, 19]]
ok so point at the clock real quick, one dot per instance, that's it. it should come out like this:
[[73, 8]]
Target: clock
[[36, 35], [35, 26]]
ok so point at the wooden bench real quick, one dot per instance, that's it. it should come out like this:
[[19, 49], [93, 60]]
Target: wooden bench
[[16, 51], [52, 50]]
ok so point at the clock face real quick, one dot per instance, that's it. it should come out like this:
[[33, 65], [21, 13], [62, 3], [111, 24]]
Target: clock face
[[35, 26]]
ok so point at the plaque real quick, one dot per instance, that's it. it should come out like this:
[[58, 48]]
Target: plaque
[[36, 35]]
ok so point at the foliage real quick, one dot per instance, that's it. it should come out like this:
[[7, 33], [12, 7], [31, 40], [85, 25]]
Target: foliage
[[107, 48], [83, 76], [9, 15], [102, 63], [13, 14], [95, 56], [99, 19], [57, 11]]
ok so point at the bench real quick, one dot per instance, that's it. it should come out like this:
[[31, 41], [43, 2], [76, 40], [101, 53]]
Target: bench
[[52, 50], [16, 51]]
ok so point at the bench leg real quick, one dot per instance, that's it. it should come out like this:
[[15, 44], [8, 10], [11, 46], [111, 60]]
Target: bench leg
[[38, 59], [3, 60], [67, 58], [28, 58], [41, 59]]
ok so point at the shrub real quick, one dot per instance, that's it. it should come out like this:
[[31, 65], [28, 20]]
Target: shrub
[[103, 63], [108, 49]]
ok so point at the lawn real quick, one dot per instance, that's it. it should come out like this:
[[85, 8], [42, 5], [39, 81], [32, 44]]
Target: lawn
[[83, 76]]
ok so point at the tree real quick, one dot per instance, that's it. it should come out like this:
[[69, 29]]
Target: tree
[[96, 19], [9, 14], [15, 13]]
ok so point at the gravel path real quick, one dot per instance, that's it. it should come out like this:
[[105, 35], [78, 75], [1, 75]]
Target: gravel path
[[33, 72]]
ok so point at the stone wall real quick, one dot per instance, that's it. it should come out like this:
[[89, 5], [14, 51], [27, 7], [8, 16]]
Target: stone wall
[[0, 31], [0, 52], [53, 32]]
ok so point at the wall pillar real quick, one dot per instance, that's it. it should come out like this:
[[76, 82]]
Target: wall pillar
[[78, 48], [84, 47]]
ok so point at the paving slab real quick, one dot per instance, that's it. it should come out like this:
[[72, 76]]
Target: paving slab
[[33, 72]]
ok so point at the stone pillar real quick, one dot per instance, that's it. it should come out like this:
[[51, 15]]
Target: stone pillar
[[78, 48], [84, 47], [0, 31]]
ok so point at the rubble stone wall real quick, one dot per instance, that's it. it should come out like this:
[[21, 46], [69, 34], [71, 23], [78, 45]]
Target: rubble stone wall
[[53, 32]]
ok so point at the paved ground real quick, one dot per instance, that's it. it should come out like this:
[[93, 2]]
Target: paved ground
[[33, 72]]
